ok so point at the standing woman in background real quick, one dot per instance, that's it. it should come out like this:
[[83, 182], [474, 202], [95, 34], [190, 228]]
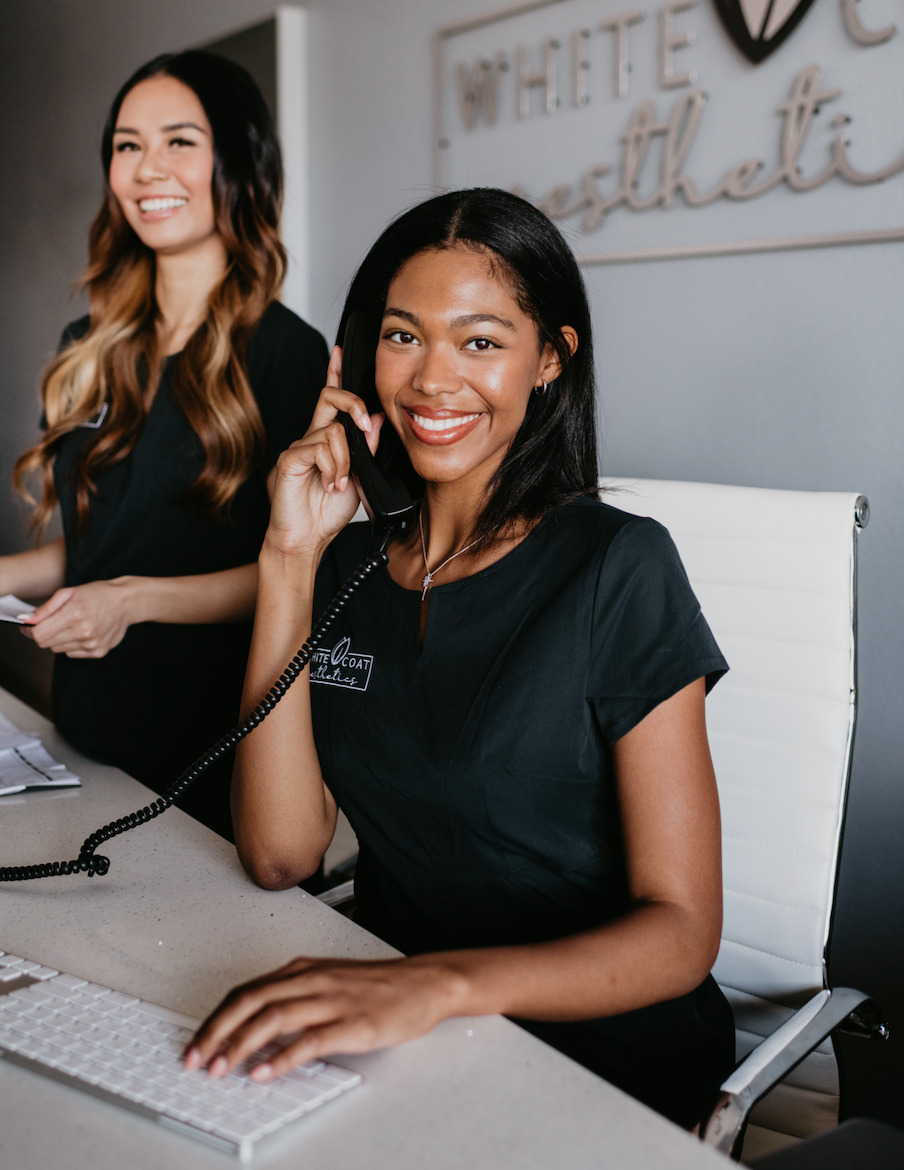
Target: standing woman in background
[[164, 412]]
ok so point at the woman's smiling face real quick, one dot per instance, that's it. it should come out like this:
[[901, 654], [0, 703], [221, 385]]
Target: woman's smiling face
[[456, 364], [162, 166]]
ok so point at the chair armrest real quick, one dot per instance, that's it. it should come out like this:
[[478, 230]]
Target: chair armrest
[[338, 895], [781, 1052]]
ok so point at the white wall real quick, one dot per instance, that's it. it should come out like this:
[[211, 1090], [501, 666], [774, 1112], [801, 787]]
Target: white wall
[[781, 369]]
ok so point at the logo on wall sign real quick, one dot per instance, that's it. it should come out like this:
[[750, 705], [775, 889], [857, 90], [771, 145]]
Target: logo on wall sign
[[758, 27], [342, 667]]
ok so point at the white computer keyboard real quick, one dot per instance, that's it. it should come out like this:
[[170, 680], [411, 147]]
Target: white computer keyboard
[[128, 1051]]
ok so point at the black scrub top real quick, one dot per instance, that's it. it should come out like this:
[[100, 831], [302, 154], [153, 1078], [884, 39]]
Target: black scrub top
[[153, 703], [476, 768]]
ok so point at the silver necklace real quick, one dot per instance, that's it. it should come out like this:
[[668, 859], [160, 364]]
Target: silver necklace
[[428, 577]]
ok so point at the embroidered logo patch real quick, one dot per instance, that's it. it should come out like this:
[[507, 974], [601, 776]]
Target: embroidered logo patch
[[342, 667]]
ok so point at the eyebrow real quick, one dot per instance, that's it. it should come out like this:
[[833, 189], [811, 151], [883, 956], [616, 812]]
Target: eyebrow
[[166, 129], [461, 322]]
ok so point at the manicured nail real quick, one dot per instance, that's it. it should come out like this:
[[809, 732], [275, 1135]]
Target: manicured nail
[[261, 1072], [365, 422], [193, 1058], [342, 483], [218, 1067]]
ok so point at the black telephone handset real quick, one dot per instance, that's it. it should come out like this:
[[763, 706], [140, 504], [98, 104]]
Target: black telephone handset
[[391, 505], [393, 512]]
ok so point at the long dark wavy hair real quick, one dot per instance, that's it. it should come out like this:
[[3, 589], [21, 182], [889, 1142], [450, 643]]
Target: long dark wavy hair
[[553, 457], [117, 360]]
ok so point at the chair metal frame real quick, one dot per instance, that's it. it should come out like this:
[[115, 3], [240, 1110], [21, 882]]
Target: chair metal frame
[[843, 1010]]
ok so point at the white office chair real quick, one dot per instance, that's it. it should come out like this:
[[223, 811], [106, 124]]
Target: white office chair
[[775, 573]]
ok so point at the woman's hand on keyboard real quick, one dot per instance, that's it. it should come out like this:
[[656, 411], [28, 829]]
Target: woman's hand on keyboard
[[336, 1006]]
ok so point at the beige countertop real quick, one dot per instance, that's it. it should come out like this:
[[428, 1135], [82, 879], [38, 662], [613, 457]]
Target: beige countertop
[[177, 920]]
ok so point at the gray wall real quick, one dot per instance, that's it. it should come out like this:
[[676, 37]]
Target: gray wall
[[779, 370]]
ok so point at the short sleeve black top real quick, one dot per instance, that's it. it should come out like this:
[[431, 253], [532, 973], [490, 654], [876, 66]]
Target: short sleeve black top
[[476, 768], [167, 691]]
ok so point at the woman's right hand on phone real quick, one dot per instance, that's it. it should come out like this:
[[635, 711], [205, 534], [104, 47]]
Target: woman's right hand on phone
[[312, 492]]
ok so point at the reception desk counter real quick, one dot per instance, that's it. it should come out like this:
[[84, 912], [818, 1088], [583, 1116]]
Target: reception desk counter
[[176, 920]]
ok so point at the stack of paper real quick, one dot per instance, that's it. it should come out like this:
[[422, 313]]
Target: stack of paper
[[25, 763]]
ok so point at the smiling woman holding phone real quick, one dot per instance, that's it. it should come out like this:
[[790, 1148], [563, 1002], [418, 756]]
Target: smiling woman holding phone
[[164, 411], [519, 741]]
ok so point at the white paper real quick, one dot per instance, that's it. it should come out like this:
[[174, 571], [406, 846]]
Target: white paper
[[11, 608], [26, 763]]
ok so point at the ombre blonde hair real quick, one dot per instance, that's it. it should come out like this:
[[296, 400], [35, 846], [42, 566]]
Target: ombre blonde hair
[[117, 362]]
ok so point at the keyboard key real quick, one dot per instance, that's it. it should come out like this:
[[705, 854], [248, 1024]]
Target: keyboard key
[[31, 995], [117, 997], [96, 990], [156, 1012], [70, 981], [16, 1007], [95, 1072], [105, 1005], [60, 990]]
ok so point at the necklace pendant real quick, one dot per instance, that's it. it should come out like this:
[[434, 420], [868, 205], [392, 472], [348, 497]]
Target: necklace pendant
[[426, 583]]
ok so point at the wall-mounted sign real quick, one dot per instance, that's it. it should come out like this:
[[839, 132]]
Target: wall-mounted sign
[[758, 27], [646, 133]]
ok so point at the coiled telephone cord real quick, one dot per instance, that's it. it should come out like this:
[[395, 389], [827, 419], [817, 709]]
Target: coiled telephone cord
[[90, 862]]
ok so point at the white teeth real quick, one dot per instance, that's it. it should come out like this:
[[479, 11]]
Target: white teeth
[[442, 424], [165, 203]]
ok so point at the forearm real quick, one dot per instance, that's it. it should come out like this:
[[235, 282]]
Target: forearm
[[35, 573], [655, 952], [283, 815], [224, 596]]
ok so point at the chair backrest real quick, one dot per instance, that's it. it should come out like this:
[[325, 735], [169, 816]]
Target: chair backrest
[[775, 574]]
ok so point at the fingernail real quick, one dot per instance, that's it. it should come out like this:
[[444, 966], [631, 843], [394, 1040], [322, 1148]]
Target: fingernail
[[218, 1067], [192, 1058], [365, 422], [261, 1072], [342, 483]]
